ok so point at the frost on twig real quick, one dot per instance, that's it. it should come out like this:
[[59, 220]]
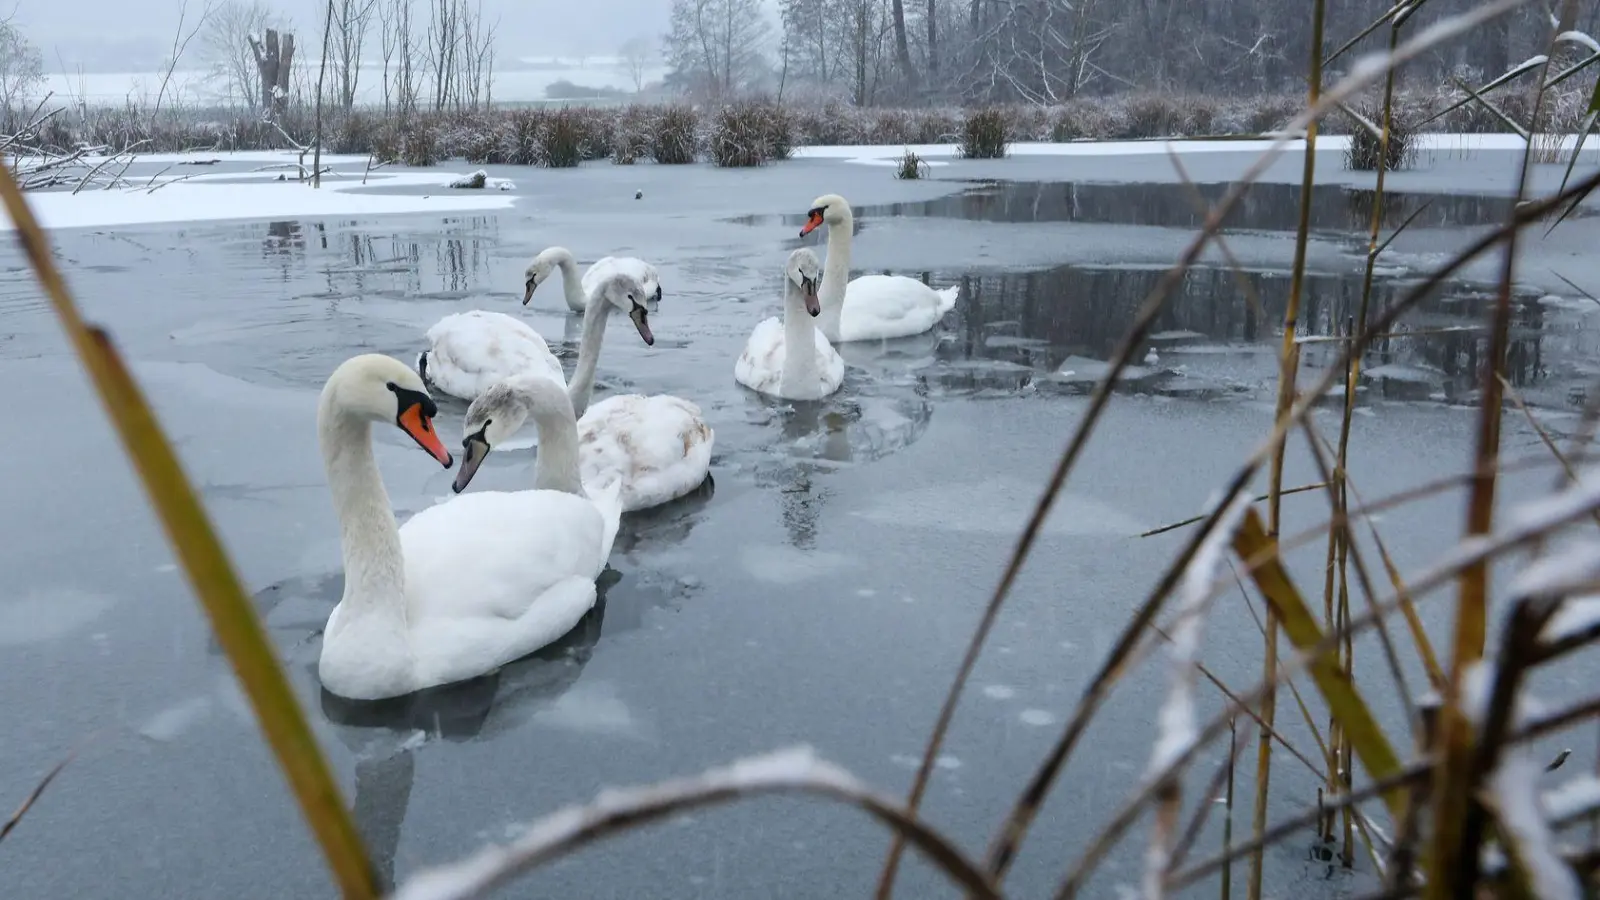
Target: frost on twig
[[1175, 729], [796, 769]]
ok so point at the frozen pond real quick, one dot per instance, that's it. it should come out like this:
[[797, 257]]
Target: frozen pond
[[821, 589]]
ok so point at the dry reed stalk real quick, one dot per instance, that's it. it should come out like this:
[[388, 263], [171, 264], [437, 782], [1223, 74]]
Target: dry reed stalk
[[1452, 863], [33, 797], [209, 570], [1287, 374], [796, 770]]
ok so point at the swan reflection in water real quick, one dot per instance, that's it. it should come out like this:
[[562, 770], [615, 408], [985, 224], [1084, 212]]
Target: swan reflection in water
[[384, 735], [817, 437]]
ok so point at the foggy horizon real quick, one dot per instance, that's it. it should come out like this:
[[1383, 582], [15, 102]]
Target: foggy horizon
[[143, 30]]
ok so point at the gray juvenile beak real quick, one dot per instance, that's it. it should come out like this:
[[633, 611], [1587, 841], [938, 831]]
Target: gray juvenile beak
[[809, 288], [527, 291], [641, 321], [475, 449]]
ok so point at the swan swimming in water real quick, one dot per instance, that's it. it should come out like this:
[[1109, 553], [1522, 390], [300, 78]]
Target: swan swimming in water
[[871, 307], [792, 359], [577, 291], [465, 586]]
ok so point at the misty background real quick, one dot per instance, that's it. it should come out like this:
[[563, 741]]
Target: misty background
[[136, 35]]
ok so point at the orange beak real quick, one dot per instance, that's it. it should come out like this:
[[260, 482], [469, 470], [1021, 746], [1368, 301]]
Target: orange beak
[[420, 427], [813, 222]]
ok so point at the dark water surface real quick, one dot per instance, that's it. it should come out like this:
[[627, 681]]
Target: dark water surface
[[820, 589]]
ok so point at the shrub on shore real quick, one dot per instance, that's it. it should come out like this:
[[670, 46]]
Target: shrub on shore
[[753, 132], [983, 135]]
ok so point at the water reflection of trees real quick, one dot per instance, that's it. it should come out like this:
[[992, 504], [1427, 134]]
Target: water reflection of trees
[[1039, 318], [455, 257], [1270, 207]]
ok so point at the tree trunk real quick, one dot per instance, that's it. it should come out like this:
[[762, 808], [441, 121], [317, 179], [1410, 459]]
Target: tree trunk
[[933, 39], [902, 49]]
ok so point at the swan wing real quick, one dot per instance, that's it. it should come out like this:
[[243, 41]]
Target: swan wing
[[471, 350], [492, 554], [830, 364], [456, 648], [760, 366], [606, 266], [659, 447], [880, 307]]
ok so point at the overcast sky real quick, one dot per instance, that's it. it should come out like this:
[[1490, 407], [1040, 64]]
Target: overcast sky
[[527, 27]]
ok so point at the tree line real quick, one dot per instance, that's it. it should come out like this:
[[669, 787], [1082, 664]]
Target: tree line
[[911, 52]]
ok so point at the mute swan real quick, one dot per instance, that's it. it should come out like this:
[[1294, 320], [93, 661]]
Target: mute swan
[[792, 360], [577, 294], [875, 307], [658, 447], [467, 585], [471, 350]]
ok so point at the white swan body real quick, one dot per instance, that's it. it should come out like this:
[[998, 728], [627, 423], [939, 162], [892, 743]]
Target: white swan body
[[577, 291], [792, 359], [657, 447], [468, 351], [465, 586], [871, 307]]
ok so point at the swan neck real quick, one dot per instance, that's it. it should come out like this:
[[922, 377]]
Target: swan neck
[[581, 387], [556, 467], [369, 537], [835, 274], [571, 283], [800, 378]]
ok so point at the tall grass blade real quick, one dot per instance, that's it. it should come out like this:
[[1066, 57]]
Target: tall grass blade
[[1287, 376], [1253, 544], [1450, 858], [209, 570]]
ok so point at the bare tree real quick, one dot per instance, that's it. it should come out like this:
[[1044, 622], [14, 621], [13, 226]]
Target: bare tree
[[399, 47], [180, 45], [226, 49], [637, 54], [475, 57], [347, 29], [21, 74], [443, 43], [715, 49]]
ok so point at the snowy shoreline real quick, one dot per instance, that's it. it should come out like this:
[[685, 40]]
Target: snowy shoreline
[[197, 196]]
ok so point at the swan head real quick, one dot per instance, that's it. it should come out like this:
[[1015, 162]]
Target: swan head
[[379, 388], [830, 209], [499, 412], [624, 292], [538, 271], [804, 271]]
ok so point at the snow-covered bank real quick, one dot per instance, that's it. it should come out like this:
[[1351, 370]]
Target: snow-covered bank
[[209, 199], [1445, 143]]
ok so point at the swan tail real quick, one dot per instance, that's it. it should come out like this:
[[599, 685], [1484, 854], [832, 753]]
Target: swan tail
[[947, 298]]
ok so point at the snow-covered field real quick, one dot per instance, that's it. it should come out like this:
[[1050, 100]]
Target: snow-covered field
[[218, 197]]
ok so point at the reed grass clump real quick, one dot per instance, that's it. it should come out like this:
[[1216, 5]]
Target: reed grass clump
[[1366, 151], [911, 166], [675, 137], [749, 134], [983, 134], [561, 139]]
